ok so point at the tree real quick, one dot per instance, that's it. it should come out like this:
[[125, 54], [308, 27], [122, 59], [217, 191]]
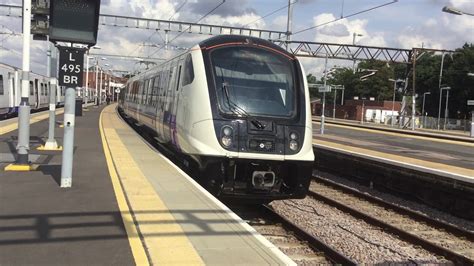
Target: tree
[[427, 80]]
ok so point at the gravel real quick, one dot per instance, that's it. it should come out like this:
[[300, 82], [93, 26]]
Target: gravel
[[354, 238], [421, 208]]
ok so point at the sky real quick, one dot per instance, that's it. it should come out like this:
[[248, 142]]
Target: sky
[[403, 24]]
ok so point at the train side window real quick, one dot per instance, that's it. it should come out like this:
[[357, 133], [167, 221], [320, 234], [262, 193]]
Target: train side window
[[32, 91], [1, 85], [41, 89], [156, 86], [148, 91], [188, 72]]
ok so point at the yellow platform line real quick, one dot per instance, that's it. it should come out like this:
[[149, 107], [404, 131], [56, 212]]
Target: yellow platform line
[[134, 240], [13, 126], [389, 133], [163, 238], [449, 169]]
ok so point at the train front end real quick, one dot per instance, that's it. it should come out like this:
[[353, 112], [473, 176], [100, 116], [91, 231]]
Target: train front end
[[261, 120]]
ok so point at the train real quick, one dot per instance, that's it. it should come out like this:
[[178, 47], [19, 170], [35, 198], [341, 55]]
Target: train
[[236, 110], [10, 84]]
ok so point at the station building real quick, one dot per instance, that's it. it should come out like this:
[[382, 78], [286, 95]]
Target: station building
[[373, 111]]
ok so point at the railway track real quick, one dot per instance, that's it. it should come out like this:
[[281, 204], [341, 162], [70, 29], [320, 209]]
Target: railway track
[[299, 245], [440, 238]]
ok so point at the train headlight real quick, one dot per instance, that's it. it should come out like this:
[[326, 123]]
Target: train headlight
[[226, 136], [293, 136], [227, 131], [293, 145]]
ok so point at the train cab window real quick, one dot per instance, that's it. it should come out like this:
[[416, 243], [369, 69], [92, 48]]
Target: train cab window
[[258, 81], [1, 85], [32, 91], [188, 71]]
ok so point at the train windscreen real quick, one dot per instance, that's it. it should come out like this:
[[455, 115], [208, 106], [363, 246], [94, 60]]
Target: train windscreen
[[254, 81]]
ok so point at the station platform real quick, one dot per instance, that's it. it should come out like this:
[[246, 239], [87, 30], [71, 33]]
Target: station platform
[[128, 205], [448, 158]]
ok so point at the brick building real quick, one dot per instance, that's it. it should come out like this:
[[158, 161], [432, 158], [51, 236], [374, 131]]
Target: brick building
[[375, 111]]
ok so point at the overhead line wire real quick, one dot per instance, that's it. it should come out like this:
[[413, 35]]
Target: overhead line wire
[[181, 33], [343, 17], [271, 13]]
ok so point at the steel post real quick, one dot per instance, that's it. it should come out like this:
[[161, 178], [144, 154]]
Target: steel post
[[440, 91], [24, 108], [95, 81], [68, 139], [289, 24], [100, 87], [324, 96], [342, 97], [393, 102], [472, 124], [413, 94], [446, 110], [87, 78], [334, 108], [51, 143], [322, 114]]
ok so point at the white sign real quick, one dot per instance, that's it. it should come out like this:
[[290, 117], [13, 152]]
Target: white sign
[[470, 102], [322, 88]]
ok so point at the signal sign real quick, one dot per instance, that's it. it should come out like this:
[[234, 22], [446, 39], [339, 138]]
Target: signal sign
[[71, 62]]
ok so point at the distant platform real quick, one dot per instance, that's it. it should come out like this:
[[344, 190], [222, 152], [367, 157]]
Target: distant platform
[[445, 157]]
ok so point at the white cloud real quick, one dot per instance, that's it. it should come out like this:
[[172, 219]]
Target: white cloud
[[341, 31], [446, 32]]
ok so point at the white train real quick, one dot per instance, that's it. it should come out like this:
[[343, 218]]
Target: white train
[[10, 84], [237, 109]]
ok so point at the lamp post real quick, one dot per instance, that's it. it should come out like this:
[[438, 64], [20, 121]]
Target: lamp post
[[439, 108], [446, 108], [423, 107], [455, 11], [353, 43], [393, 98], [440, 91]]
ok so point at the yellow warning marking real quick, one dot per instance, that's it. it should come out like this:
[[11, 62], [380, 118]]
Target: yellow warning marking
[[134, 240], [405, 160], [21, 167], [163, 238], [33, 119], [43, 148], [389, 133]]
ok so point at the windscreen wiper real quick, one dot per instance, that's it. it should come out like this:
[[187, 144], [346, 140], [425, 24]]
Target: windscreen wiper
[[239, 110]]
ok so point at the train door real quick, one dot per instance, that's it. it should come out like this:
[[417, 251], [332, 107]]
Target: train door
[[11, 90], [158, 102], [3, 93], [169, 102], [164, 103], [37, 94], [31, 98], [174, 107]]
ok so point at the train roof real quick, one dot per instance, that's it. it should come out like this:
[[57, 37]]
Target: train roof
[[14, 68], [223, 39]]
